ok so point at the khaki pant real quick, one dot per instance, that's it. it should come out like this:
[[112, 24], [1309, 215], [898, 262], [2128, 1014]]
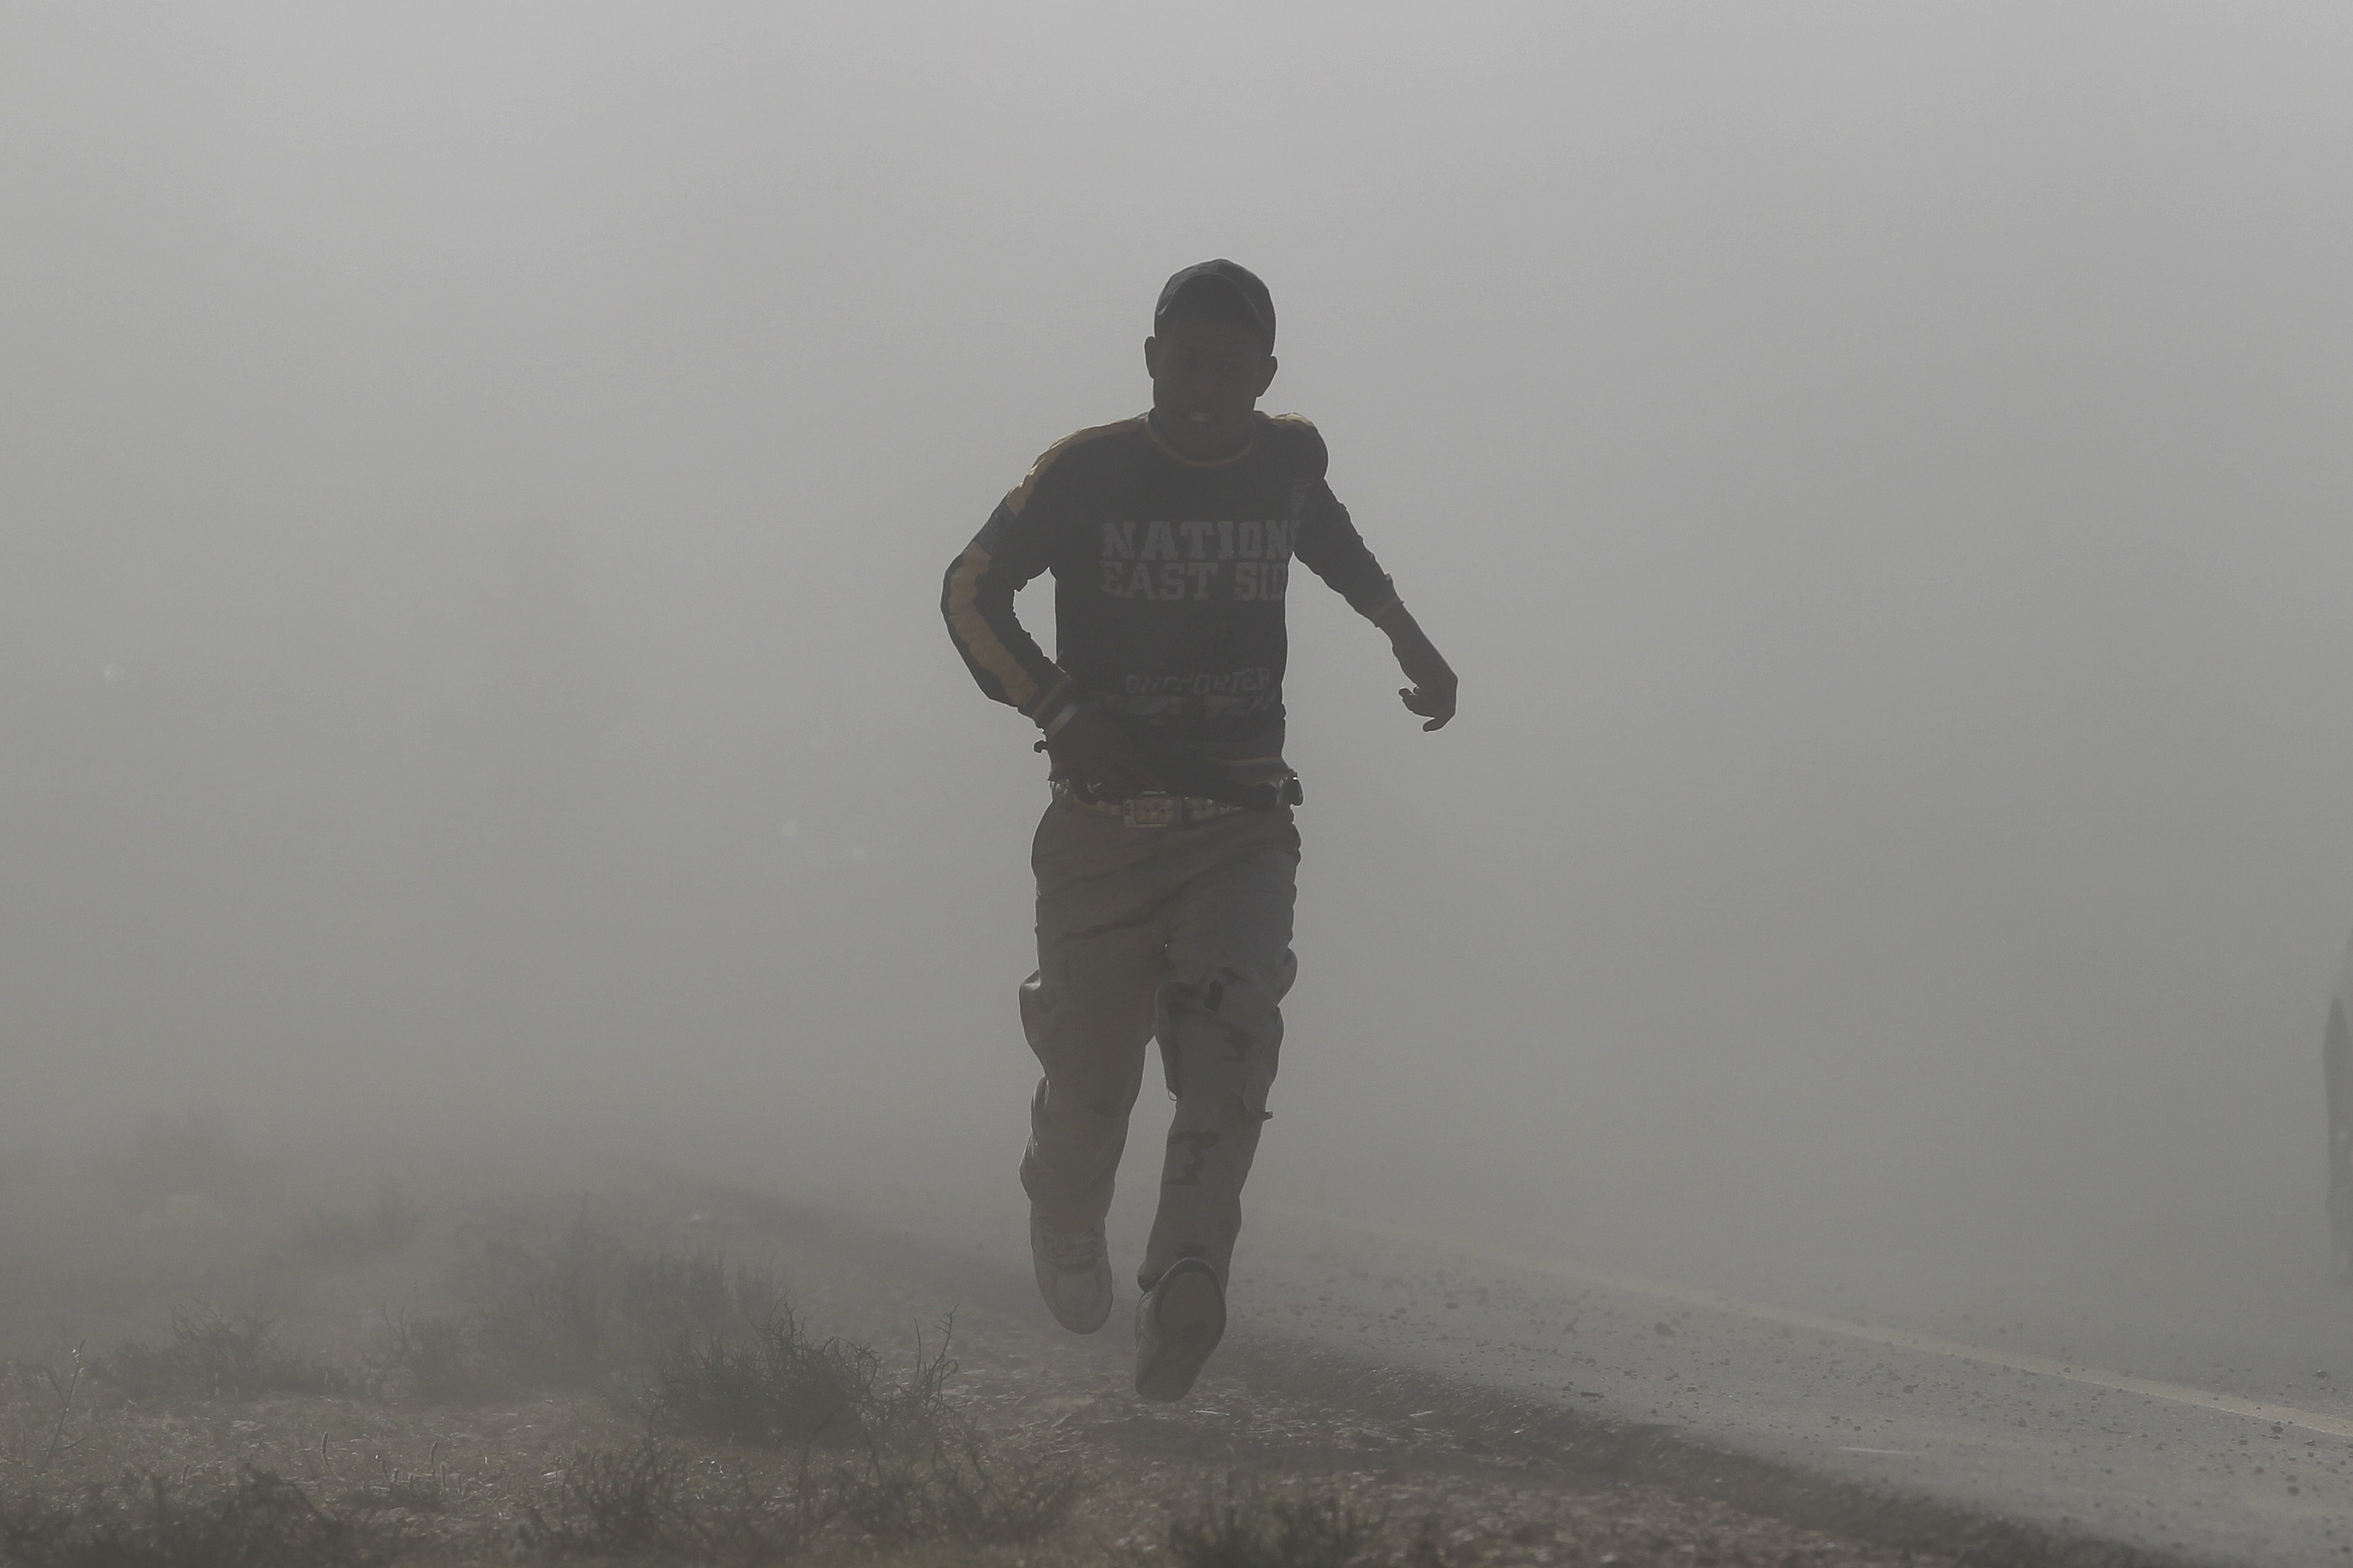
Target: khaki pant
[[1178, 932]]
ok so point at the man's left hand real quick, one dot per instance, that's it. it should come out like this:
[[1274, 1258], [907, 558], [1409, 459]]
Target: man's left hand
[[1431, 695]]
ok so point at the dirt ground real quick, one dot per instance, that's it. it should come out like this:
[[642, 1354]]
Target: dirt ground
[[1281, 1456]]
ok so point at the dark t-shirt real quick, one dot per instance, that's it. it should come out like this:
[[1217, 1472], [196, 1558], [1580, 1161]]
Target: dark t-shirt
[[1169, 581]]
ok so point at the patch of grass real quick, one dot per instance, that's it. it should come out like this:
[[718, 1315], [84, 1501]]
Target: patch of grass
[[653, 1503], [262, 1521], [216, 1357], [646, 1503], [925, 1474], [960, 1494], [1278, 1530]]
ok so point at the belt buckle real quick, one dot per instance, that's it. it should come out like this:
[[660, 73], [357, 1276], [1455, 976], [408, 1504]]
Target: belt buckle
[[1152, 808]]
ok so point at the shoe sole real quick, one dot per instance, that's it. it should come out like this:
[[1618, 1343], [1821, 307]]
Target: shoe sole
[[1190, 1312]]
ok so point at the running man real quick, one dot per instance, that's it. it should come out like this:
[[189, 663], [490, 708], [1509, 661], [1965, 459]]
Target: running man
[[1167, 859]]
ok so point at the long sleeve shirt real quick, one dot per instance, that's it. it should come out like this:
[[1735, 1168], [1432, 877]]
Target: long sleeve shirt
[[1170, 577]]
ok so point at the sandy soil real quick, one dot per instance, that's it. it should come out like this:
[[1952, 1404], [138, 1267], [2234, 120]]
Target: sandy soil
[[1457, 1474]]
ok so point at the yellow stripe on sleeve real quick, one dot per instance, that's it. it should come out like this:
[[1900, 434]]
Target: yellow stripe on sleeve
[[1019, 496], [972, 628]]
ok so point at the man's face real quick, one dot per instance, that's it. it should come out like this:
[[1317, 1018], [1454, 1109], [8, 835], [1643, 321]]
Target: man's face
[[1207, 376]]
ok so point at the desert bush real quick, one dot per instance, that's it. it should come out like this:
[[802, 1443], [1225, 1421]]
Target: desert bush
[[774, 1386], [193, 1151], [571, 1314], [771, 1386], [216, 1357], [542, 1318], [428, 1359], [341, 1236], [40, 1400], [931, 1475], [659, 1294], [261, 1520], [912, 1412], [906, 1469], [582, 1311], [1277, 1530]]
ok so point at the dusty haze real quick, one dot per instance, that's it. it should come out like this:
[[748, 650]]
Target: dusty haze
[[477, 479]]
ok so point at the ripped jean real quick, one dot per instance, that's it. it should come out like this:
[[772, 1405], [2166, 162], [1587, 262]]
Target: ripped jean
[[1180, 932]]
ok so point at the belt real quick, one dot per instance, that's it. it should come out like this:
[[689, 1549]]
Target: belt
[[1152, 808]]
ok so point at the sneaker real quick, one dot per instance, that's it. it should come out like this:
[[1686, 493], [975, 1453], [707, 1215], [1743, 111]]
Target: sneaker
[[1178, 1324], [1073, 1270]]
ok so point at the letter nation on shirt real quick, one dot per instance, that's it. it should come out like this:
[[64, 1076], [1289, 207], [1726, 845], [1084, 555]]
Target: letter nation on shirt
[[1199, 559]]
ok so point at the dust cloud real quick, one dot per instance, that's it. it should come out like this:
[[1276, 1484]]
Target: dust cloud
[[477, 480]]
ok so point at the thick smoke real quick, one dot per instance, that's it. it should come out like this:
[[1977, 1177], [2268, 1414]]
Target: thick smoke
[[477, 481]]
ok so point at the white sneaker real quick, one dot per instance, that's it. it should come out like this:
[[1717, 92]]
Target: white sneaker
[[1073, 1270], [1177, 1327]]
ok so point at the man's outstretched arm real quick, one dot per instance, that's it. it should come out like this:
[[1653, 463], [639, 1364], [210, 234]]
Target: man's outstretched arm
[[1431, 695], [1332, 548]]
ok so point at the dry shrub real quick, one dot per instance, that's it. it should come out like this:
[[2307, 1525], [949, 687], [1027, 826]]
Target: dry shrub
[[216, 1357], [573, 1314], [339, 1237], [262, 1521], [918, 1472], [931, 1475], [646, 1503], [771, 1387], [959, 1494], [426, 1360], [1278, 1530]]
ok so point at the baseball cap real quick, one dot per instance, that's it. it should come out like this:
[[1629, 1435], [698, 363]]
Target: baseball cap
[[1227, 276]]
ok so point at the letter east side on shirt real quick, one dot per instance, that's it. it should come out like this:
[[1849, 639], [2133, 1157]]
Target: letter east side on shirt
[[1241, 562]]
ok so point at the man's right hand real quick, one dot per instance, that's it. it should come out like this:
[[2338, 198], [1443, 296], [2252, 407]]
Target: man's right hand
[[1099, 759]]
